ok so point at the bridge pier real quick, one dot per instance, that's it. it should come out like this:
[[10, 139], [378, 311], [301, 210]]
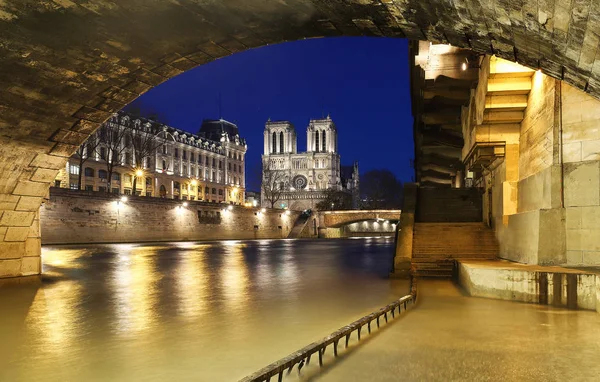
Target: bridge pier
[[26, 173], [404, 233]]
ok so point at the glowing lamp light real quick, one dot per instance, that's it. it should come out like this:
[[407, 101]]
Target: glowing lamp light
[[139, 172], [464, 66], [185, 204], [263, 210], [254, 203], [287, 212], [194, 182], [230, 208], [124, 199]]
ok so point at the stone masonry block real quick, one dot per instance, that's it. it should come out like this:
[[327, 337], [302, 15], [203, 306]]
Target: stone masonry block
[[573, 217], [10, 268], [12, 250], [49, 161], [2, 232], [591, 258], [17, 219], [572, 152], [16, 234], [573, 239], [574, 257], [29, 203], [33, 247], [31, 189], [44, 175], [590, 218], [8, 202], [31, 266], [582, 182], [590, 150]]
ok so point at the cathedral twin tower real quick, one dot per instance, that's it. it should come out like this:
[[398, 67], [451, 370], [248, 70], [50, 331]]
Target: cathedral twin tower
[[280, 137]]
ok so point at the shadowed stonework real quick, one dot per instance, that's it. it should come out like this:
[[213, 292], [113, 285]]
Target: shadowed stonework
[[65, 66]]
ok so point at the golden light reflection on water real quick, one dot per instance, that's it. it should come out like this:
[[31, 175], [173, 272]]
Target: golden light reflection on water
[[192, 279], [234, 276], [55, 317], [135, 288]]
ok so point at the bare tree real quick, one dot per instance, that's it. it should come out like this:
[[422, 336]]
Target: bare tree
[[84, 152], [272, 182], [144, 146], [112, 136]]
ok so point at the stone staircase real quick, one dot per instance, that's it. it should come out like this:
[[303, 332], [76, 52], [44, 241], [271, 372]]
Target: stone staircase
[[436, 246], [298, 227], [435, 204]]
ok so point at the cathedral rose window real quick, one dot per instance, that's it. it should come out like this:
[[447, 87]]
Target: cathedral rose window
[[299, 182]]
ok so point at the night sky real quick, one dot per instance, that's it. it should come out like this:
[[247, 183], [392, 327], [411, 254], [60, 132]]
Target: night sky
[[363, 83]]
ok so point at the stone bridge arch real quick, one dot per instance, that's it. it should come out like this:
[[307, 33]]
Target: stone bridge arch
[[66, 66], [337, 219]]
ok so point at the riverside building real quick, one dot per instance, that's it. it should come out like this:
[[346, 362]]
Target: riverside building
[[161, 160]]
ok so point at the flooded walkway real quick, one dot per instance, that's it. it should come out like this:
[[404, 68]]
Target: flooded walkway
[[450, 337]]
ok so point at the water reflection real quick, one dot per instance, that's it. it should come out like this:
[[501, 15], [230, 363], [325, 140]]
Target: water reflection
[[202, 311]]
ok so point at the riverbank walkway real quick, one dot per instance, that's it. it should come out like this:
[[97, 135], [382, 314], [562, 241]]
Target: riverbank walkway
[[452, 337]]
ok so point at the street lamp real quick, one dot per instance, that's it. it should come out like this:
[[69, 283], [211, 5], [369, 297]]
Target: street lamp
[[332, 206]]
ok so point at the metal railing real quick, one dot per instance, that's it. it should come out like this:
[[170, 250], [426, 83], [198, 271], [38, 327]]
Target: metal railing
[[303, 356]]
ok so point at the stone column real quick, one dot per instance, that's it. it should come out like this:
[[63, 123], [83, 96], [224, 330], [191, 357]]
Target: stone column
[[404, 233]]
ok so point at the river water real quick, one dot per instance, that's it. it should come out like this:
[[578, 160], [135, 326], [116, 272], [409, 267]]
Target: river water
[[212, 311]]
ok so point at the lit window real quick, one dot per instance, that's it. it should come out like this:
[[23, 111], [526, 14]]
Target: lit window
[[74, 169], [73, 186]]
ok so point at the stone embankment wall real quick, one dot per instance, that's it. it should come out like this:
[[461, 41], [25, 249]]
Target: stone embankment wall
[[74, 217]]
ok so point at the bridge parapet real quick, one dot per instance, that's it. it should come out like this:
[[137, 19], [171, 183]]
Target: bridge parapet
[[336, 219]]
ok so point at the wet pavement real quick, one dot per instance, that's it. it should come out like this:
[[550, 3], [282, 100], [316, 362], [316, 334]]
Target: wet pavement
[[451, 337]]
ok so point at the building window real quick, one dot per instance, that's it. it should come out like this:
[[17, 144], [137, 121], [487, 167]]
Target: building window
[[220, 165], [274, 143], [115, 190], [185, 170], [102, 174], [199, 158], [184, 153], [74, 169], [176, 152], [324, 148], [128, 159], [206, 190], [127, 191], [206, 162], [57, 183], [236, 180], [191, 157], [164, 149], [281, 142], [214, 162], [89, 171], [127, 178], [220, 192], [164, 167], [214, 177], [229, 166], [73, 186], [148, 182], [176, 185], [184, 197], [214, 191], [148, 193], [116, 176], [317, 141], [234, 167], [89, 188]]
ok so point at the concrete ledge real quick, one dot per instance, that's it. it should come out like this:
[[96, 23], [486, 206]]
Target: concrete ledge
[[557, 286]]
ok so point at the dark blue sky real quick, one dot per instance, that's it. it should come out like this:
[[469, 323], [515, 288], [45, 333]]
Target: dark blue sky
[[363, 83]]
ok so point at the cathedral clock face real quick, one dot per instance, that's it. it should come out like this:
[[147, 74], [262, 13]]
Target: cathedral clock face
[[299, 182], [320, 176]]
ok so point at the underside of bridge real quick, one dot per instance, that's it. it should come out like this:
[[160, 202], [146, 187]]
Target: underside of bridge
[[66, 66]]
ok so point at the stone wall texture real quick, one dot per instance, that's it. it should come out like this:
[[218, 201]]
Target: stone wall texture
[[74, 217]]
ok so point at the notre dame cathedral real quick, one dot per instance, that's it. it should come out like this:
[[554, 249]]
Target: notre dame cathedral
[[300, 180]]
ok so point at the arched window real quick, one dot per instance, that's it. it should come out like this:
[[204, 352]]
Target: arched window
[[274, 144], [317, 141], [116, 176], [324, 147], [89, 171], [102, 174], [281, 142], [164, 165]]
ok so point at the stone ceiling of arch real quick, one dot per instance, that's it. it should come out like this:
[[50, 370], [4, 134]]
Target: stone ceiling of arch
[[65, 65]]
